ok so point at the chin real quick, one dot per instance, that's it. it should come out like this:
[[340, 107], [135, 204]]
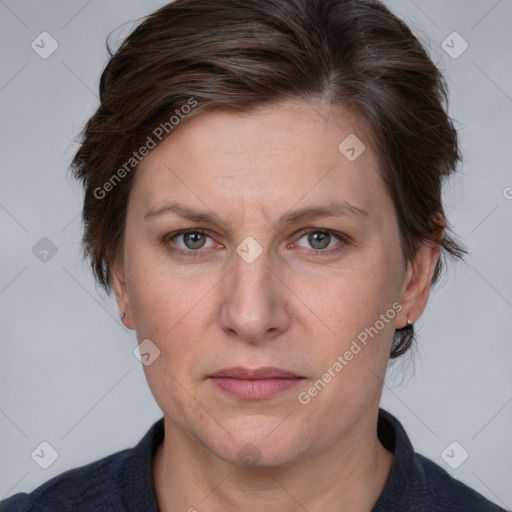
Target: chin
[[259, 441]]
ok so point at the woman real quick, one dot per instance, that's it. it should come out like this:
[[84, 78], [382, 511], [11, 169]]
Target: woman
[[263, 195]]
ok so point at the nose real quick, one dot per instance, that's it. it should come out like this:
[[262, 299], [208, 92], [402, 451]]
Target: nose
[[254, 306]]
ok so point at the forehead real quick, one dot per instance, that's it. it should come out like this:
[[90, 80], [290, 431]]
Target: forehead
[[275, 156]]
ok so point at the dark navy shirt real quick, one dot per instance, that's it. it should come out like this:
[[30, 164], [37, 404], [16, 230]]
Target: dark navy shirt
[[123, 481]]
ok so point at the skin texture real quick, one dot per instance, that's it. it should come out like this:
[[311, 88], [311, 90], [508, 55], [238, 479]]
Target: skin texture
[[289, 308]]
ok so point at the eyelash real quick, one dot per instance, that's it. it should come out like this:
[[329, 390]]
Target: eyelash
[[343, 240]]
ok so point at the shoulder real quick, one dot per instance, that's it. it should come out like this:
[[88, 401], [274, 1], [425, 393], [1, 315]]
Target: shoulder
[[448, 493], [416, 483], [80, 488], [119, 482]]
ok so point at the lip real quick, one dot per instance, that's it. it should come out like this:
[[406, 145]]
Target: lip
[[267, 372], [256, 384]]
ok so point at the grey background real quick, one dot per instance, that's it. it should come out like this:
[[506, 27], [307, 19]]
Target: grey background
[[68, 375]]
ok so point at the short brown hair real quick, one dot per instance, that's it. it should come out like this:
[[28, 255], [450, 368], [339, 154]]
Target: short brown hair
[[236, 55]]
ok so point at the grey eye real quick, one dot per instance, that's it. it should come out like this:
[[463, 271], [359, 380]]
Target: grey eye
[[194, 240], [191, 240], [319, 240]]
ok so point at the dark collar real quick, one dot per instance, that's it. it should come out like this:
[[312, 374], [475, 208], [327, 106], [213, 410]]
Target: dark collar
[[392, 435]]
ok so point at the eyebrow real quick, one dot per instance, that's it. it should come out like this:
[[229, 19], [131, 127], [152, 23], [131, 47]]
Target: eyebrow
[[332, 209]]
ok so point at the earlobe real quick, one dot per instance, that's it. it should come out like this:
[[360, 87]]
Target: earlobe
[[121, 293], [418, 281]]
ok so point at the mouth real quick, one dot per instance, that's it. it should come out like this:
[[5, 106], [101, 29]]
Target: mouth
[[255, 384]]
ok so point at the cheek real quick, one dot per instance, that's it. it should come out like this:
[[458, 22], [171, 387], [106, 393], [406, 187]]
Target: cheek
[[356, 316], [345, 300], [165, 314], [357, 319], [167, 309], [157, 297]]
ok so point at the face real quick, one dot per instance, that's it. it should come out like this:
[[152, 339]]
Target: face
[[269, 273]]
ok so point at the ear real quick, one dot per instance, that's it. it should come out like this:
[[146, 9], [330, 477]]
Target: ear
[[418, 279], [121, 292]]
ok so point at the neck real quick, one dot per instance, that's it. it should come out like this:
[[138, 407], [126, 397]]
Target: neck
[[349, 475]]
